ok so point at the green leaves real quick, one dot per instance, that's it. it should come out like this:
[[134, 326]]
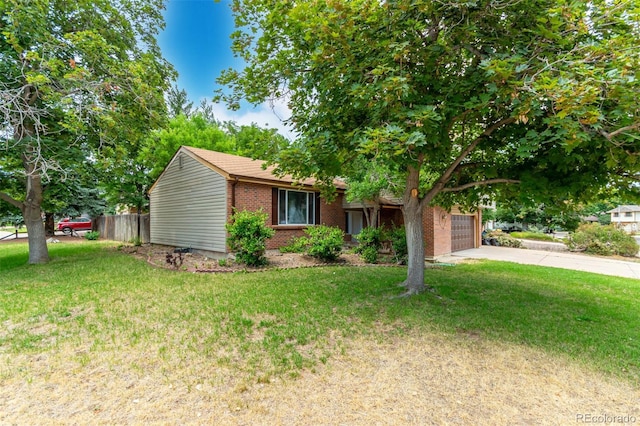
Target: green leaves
[[79, 79], [454, 98], [248, 233]]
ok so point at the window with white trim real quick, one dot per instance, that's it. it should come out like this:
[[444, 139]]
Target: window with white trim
[[296, 207]]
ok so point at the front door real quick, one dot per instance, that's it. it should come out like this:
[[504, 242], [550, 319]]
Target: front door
[[354, 222]]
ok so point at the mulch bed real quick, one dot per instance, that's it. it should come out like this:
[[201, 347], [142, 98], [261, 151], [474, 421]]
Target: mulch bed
[[164, 257]]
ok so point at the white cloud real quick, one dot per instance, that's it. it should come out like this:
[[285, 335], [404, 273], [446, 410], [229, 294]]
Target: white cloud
[[265, 115]]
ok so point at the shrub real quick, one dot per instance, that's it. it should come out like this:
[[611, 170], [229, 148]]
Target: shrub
[[369, 243], [504, 239], [398, 237], [297, 245], [369, 254], [92, 235], [602, 240], [324, 242], [248, 234]]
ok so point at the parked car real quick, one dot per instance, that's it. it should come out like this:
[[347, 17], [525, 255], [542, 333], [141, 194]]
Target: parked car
[[68, 225]]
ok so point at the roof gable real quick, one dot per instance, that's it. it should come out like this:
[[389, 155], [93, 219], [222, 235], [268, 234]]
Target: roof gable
[[242, 168], [625, 208]]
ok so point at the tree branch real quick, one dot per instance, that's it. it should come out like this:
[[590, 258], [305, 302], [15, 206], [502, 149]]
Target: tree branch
[[615, 133], [481, 183], [11, 200], [446, 176], [457, 118]]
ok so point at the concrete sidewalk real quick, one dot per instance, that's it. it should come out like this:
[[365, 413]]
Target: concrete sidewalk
[[6, 236], [579, 262]]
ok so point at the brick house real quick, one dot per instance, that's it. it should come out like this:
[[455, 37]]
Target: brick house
[[198, 190]]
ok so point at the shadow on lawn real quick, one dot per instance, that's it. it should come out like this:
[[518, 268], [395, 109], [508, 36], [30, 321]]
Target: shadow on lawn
[[585, 316]]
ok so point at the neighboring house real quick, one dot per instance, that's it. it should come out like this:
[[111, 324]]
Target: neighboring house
[[590, 219], [626, 217], [199, 189]]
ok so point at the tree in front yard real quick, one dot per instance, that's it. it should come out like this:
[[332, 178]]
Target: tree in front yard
[[77, 77], [456, 98]]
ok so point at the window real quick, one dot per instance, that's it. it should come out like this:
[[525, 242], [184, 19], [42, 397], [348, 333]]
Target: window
[[615, 214], [296, 207], [627, 214]]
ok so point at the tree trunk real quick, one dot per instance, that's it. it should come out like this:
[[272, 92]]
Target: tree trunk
[[32, 212], [375, 213], [31, 208], [38, 251], [413, 212], [49, 224], [365, 210]]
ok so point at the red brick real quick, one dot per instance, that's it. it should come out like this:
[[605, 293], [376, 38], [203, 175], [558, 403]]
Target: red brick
[[253, 196]]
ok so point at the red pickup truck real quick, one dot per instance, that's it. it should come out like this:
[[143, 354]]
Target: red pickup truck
[[68, 225]]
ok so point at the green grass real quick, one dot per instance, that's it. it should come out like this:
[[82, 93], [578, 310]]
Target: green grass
[[535, 236], [278, 322]]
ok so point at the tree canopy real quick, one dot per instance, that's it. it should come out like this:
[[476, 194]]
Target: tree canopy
[[79, 79], [198, 129], [454, 97]]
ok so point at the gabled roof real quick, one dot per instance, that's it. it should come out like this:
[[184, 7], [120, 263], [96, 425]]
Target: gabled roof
[[625, 208], [243, 168]]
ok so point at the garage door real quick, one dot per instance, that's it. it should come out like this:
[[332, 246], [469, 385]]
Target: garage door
[[462, 232]]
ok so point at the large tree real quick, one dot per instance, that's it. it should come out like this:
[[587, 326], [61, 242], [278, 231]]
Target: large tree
[[178, 102], [456, 97], [76, 76], [195, 131]]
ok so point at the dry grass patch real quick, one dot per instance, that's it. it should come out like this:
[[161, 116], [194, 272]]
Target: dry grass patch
[[100, 337], [420, 378]]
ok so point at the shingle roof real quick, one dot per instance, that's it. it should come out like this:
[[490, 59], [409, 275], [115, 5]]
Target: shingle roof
[[245, 168], [625, 208]]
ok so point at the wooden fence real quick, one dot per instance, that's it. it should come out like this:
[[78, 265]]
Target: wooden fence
[[124, 227]]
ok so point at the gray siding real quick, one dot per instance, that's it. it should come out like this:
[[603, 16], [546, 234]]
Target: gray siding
[[188, 206]]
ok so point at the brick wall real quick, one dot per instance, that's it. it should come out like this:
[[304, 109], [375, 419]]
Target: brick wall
[[251, 196], [437, 229], [437, 232], [390, 217], [333, 214]]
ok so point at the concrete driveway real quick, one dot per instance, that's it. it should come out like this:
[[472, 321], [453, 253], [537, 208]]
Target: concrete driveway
[[565, 260]]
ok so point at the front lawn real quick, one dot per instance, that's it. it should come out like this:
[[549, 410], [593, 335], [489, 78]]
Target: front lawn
[[93, 302], [537, 236]]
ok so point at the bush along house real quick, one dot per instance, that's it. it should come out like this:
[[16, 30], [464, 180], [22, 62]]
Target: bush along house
[[198, 191]]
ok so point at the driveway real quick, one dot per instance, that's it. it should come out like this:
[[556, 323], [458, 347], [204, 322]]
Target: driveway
[[565, 260]]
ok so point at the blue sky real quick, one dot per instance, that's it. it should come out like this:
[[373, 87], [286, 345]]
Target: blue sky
[[196, 41]]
